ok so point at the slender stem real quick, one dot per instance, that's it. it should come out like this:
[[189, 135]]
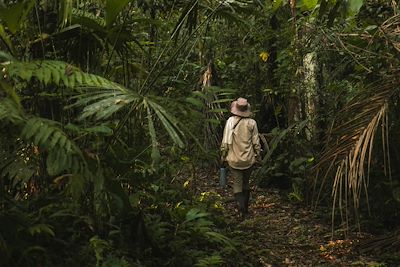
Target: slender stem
[[126, 117]]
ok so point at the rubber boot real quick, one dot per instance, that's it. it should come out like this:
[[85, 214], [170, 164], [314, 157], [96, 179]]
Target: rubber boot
[[246, 194], [240, 199]]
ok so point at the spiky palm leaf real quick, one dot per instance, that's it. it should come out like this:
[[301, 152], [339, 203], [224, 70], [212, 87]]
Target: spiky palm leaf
[[348, 151], [104, 103], [100, 98], [229, 10]]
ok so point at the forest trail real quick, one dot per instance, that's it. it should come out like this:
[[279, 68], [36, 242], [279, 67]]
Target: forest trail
[[280, 232]]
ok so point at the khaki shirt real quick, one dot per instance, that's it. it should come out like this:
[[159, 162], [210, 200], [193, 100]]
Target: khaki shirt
[[240, 146]]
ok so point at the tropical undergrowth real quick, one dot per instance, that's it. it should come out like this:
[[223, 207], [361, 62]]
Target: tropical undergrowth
[[62, 204]]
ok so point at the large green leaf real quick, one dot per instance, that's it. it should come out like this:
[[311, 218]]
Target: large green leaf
[[13, 16], [113, 8], [307, 4], [7, 40], [65, 12], [353, 7], [169, 122]]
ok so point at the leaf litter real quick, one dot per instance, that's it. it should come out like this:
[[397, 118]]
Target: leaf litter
[[280, 232]]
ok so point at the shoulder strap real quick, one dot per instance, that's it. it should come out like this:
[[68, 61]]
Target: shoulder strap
[[237, 123]]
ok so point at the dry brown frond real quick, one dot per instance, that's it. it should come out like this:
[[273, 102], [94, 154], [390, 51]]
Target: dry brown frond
[[347, 154]]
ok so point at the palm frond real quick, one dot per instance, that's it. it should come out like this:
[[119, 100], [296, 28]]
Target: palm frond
[[215, 100], [155, 152], [103, 103], [103, 30], [113, 8], [348, 150], [169, 122], [65, 12], [58, 73], [228, 10]]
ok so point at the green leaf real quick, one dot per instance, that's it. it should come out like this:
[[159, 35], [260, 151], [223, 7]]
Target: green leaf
[[308, 4], [61, 161], [13, 16], [194, 101], [52, 163], [56, 76], [113, 8], [46, 75], [371, 27], [56, 137], [32, 127], [65, 12], [218, 110], [155, 152], [76, 186], [41, 229], [169, 123], [99, 129], [42, 133], [194, 214], [225, 100], [11, 92], [9, 111], [106, 107], [6, 39], [276, 4], [323, 8], [353, 7]]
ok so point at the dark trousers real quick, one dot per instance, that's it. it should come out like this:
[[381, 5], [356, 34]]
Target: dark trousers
[[240, 179], [241, 188]]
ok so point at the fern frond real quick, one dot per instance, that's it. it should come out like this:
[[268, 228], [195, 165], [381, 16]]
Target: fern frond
[[63, 155], [57, 72], [88, 19], [15, 167], [213, 260], [9, 112]]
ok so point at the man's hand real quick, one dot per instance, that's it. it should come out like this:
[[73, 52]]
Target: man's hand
[[258, 161], [223, 161]]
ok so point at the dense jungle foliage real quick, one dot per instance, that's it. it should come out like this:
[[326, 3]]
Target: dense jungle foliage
[[112, 110]]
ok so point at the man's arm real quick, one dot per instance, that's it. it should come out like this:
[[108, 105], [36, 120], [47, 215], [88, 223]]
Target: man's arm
[[224, 144], [256, 141]]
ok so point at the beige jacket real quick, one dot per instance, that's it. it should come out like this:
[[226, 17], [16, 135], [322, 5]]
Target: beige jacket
[[240, 146]]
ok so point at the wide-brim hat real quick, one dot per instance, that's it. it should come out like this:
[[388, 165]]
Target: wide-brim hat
[[241, 107]]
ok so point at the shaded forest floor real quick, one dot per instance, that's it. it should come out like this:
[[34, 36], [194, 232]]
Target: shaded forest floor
[[280, 232]]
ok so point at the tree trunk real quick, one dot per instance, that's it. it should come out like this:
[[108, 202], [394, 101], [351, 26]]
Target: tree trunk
[[310, 86]]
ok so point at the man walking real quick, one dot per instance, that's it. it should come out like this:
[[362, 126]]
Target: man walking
[[241, 148]]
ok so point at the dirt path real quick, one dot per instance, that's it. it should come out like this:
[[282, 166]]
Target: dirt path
[[282, 233]]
